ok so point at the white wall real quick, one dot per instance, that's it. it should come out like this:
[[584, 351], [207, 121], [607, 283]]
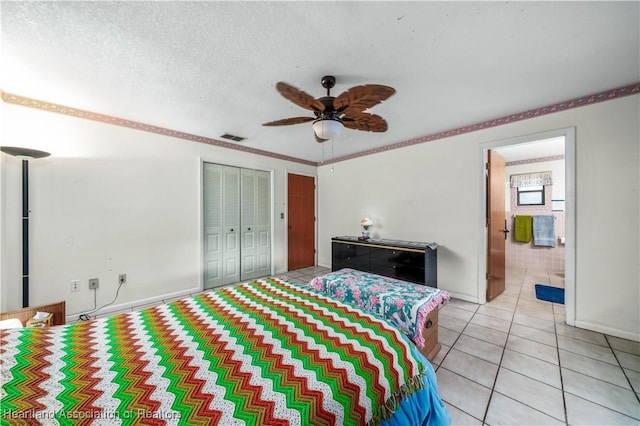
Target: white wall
[[111, 200], [430, 192]]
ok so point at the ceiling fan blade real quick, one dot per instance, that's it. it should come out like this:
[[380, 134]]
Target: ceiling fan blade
[[359, 98], [365, 121], [289, 121], [298, 97]]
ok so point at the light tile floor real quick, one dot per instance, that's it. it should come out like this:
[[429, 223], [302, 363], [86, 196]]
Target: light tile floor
[[513, 361]]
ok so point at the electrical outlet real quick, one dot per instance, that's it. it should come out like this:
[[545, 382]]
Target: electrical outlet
[[75, 286], [122, 279], [93, 283]]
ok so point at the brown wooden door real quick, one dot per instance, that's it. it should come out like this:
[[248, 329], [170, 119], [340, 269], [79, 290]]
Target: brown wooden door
[[301, 217], [496, 226]]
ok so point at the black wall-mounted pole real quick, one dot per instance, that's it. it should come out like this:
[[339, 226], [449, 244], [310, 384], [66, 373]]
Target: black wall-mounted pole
[[25, 154], [25, 233]]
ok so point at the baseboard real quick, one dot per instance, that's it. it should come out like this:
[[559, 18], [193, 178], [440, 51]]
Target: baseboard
[[608, 330], [464, 297], [134, 304]]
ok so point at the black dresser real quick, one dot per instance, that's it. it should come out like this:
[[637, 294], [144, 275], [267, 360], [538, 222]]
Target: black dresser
[[411, 261]]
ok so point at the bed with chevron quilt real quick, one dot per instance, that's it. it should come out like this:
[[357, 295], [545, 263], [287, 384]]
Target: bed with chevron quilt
[[265, 352]]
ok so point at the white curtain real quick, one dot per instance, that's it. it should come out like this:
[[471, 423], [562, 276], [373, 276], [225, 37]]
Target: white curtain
[[531, 179]]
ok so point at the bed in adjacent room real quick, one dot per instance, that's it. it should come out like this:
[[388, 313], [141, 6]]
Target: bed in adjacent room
[[412, 308], [265, 352]]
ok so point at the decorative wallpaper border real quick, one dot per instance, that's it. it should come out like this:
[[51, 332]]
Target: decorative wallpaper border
[[108, 119], [534, 160], [619, 92]]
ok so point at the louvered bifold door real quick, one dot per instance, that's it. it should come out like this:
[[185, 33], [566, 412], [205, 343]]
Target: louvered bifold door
[[237, 224], [256, 224], [231, 225], [263, 223], [248, 225], [212, 222]]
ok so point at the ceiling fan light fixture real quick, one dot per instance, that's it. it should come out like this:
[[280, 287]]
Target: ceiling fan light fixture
[[327, 128], [332, 114]]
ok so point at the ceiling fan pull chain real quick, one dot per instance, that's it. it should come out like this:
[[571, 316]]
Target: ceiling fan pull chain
[[332, 156]]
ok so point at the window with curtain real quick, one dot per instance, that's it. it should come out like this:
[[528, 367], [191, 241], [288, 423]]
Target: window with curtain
[[531, 179], [530, 187]]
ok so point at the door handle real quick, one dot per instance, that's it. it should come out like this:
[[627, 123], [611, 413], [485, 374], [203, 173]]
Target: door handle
[[505, 230]]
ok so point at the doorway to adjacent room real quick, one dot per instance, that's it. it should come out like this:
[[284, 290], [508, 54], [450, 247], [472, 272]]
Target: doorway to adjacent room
[[524, 157]]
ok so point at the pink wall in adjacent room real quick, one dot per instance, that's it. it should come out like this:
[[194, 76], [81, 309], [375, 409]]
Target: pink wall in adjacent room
[[526, 255]]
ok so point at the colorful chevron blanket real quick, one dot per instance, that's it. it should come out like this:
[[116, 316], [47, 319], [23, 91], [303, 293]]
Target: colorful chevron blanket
[[405, 305], [261, 353]]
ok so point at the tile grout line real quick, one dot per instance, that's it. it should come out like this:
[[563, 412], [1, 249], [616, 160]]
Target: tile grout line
[[564, 399], [449, 351], [495, 380], [500, 366], [598, 379], [621, 367], [508, 333]]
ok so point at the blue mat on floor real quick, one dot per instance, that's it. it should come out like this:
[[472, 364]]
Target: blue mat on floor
[[550, 294]]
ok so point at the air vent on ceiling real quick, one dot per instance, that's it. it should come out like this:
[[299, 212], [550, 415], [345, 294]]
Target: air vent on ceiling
[[233, 137]]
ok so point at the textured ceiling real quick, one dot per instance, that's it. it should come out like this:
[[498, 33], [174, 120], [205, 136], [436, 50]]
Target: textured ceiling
[[209, 68]]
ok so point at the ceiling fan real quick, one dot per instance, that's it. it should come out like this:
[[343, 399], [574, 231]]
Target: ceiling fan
[[334, 113]]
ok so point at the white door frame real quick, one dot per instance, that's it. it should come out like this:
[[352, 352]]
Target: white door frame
[[569, 135]]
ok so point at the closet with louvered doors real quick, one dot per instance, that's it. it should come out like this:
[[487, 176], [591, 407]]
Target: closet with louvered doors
[[236, 224]]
